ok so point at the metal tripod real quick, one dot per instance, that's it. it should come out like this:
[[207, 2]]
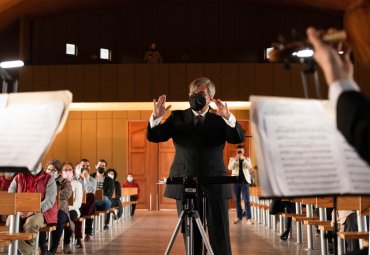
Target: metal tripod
[[187, 215]]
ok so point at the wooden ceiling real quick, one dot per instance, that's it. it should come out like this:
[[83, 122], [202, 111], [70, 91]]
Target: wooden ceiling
[[12, 10]]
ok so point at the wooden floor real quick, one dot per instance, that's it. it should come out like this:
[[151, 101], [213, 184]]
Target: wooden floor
[[149, 233]]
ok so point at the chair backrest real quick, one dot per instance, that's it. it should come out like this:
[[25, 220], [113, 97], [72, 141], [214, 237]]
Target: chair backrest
[[129, 192], [11, 203]]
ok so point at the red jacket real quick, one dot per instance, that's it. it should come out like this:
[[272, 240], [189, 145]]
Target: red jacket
[[132, 184], [29, 183], [5, 183]]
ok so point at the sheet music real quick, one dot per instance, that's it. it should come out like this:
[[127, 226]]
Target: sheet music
[[27, 129], [301, 152]]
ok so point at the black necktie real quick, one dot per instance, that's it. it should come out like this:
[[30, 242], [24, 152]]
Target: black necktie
[[198, 120]]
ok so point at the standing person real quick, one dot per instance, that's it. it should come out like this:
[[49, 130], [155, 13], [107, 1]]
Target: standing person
[[130, 183], [352, 107], [82, 174], [240, 165], [36, 181], [199, 135], [152, 56]]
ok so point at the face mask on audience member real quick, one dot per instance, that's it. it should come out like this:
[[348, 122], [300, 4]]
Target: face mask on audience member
[[197, 101], [100, 170], [111, 175], [37, 170], [9, 174], [130, 178], [78, 171], [67, 175], [55, 174]]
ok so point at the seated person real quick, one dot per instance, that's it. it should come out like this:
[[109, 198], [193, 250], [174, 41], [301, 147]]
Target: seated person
[[54, 168], [130, 183], [82, 175], [116, 198], [36, 181], [74, 209]]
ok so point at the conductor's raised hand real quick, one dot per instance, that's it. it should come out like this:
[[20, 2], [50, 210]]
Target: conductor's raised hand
[[222, 109], [160, 107]]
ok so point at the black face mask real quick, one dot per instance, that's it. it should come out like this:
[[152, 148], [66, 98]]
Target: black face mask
[[197, 102], [101, 170]]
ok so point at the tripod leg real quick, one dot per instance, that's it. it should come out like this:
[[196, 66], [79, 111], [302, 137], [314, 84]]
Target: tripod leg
[[202, 232], [174, 234]]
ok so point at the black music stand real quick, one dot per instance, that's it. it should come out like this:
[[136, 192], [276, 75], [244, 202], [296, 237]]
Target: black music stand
[[189, 212]]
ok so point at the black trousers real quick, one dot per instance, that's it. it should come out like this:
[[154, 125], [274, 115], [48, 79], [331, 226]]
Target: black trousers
[[217, 215]]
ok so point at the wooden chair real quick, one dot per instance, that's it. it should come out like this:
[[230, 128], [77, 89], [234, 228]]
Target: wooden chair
[[13, 204]]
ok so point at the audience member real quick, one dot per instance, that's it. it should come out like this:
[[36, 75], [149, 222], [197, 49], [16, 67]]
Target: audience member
[[41, 182], [105, 184], [130, 183], [152, 56], [74, 209], [82, 174], [64, 189], [240, 165]]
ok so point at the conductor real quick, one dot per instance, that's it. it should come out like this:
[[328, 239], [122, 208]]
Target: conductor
[[199, 135]]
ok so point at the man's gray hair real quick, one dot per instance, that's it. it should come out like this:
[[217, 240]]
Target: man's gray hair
[[204, 80]]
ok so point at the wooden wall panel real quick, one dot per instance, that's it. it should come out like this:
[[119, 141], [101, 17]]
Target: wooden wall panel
[[164, 31], [229, 82], [89, 136], [193, 71], [26, 79], [181, 31], [91, 83], [178, 86], [75, 78], [74, 138], [247, 81], [213, 72], [60, 146], [104, 132], [58, 77], [282, 86], [126, 83], [143, 84], [40, 78], [108, 83], [119, 148], [159, 83], [264, 79]]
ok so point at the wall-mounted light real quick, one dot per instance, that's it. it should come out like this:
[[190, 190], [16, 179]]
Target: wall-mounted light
[[105, 54], [71, 49], [11, 64], [6, 77]]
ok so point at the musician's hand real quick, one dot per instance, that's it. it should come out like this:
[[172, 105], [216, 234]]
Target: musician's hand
[[160, 107], [222, 109], [335, 66]]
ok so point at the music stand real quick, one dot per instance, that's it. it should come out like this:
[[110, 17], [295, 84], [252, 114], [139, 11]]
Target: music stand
[[189, 212]]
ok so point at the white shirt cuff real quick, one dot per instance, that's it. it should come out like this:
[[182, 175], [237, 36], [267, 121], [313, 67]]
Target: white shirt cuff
[[340, 86], [154, 122], [231, 121]]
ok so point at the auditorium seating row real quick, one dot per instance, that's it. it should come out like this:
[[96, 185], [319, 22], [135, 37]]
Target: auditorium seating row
[[304, 215], [13, 204]]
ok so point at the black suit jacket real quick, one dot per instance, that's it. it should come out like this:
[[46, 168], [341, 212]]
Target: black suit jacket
[[353, 120], [199, 151]]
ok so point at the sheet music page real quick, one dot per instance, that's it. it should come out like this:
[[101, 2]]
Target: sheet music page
[[27, 129], [298, 147]]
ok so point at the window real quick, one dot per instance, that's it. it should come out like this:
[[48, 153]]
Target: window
[[105, 54], [71, 49]]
